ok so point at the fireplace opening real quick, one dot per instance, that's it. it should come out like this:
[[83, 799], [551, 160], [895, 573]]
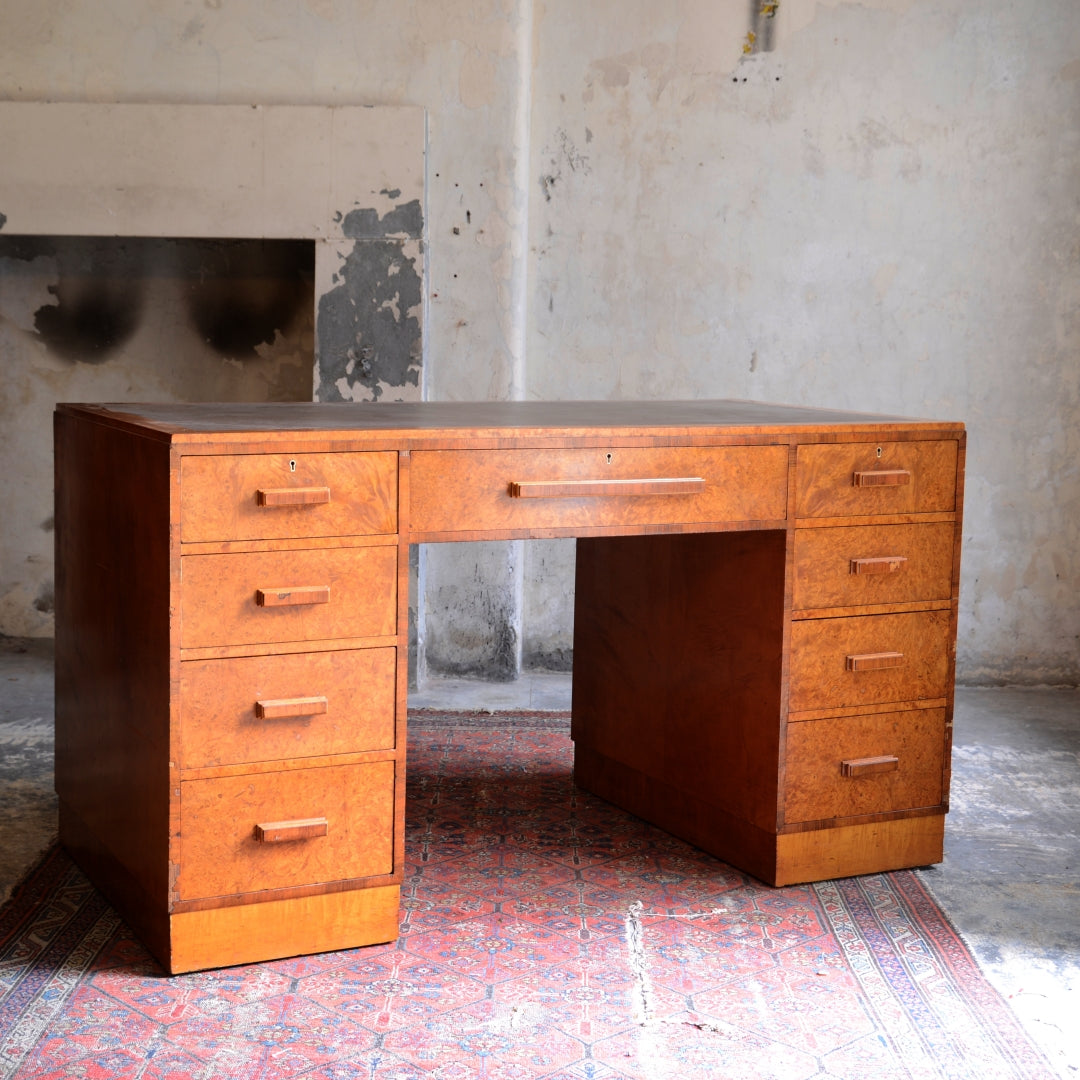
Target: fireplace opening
[[240, 301], [131, 319]]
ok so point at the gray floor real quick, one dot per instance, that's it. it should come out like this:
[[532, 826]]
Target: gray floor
[[1010, 880]]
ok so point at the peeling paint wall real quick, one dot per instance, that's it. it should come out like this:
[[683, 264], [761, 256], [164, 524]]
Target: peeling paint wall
[[369, 339], [870, 205]]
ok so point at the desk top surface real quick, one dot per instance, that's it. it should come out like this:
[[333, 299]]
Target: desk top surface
[[494, 418]]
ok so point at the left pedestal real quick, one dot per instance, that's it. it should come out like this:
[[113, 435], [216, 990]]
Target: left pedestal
[[230, 693]]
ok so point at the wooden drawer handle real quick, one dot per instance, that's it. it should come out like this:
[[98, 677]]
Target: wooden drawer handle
[[278, 832], [287, 595], [569, 489], [282, 708], [868, 766], [882, 478], [884, 564], [874, 661], [295, 496]]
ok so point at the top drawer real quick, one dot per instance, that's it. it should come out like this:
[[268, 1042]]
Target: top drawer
[[853, 479], [274, 496], [513, 491]]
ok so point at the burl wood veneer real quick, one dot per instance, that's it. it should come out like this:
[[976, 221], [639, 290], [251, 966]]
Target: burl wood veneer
[[763, 662]]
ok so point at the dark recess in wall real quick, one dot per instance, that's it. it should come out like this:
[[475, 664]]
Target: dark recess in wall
[[99, 294], [239, 293]]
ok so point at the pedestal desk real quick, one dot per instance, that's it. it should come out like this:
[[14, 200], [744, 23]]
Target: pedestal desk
[[764, 638]]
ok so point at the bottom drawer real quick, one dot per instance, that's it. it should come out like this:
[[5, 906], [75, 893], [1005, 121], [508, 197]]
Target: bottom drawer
[[221, 821], [844, 767]]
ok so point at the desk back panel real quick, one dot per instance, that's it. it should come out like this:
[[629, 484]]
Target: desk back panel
[[678, 662]]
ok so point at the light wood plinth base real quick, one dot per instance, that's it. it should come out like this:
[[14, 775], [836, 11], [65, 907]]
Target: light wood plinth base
[[247, 933], [777, 859], [867, 848]]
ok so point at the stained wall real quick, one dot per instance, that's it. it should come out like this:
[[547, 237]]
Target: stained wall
[[869, 205]]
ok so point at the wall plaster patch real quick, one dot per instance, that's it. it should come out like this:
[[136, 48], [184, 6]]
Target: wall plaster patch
[[368, 325]]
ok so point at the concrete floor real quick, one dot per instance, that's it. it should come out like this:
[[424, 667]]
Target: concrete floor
[[1010, 880]]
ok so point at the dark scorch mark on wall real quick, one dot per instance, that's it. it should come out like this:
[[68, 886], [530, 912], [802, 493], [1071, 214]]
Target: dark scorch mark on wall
[[97, 293], [368, 325], [99, 301], [240, 293]]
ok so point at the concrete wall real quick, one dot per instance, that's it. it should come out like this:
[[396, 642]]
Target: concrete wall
[[869, 205], [878, 212]]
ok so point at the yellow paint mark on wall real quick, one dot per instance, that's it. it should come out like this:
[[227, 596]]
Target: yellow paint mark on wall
[[760, 36]]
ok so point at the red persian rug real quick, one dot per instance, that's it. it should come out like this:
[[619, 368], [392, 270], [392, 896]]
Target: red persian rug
[[543, 934]]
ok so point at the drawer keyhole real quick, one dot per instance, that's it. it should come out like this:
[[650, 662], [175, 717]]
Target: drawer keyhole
[[292, 464]]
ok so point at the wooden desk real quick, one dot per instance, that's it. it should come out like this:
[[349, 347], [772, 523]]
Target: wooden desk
[[763, 645]]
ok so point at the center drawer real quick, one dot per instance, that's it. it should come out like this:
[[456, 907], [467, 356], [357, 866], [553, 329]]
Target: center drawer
[[513, 491], [868, 660], [270, 596], [297, 705], [243, 834]]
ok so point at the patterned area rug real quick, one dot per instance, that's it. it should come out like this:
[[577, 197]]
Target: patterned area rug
[[543, 934]]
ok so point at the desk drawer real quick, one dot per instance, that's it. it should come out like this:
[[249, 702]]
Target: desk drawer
[[266, 708], [518, 490], [319, 825], [864, 765], [308, 595], [868, 660], [273, 496], [876, 564], [854, 479]]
